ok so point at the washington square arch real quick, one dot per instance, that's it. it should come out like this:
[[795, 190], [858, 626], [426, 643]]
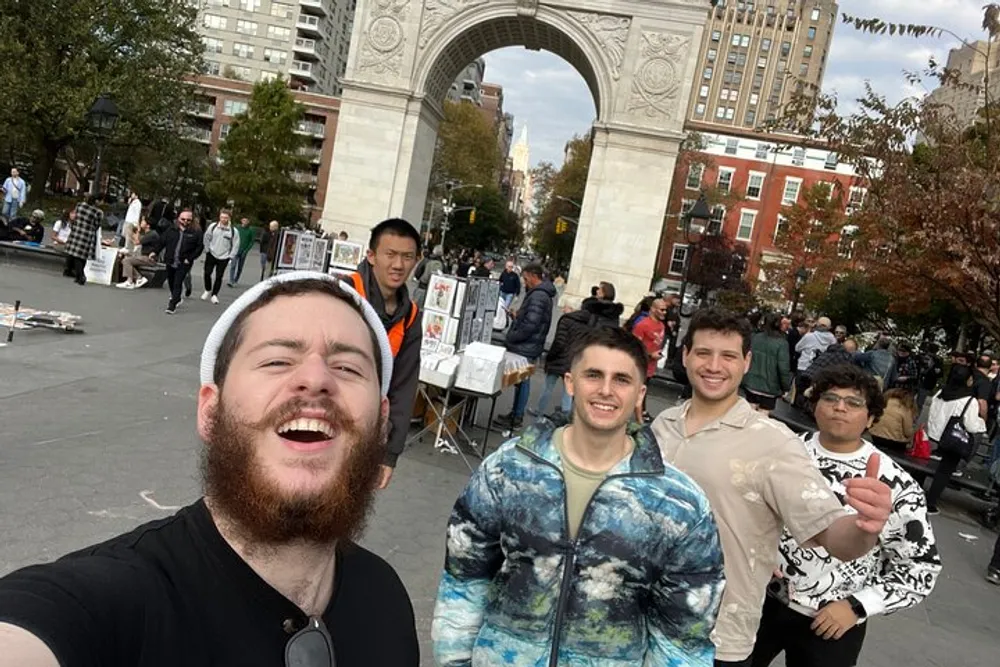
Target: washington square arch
[[637, 57]]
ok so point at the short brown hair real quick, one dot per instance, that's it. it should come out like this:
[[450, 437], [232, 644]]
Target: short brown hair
[[722, 321], [234, 337]]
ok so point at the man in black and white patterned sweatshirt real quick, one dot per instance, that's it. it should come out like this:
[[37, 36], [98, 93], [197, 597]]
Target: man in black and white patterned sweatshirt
[[817, 610]]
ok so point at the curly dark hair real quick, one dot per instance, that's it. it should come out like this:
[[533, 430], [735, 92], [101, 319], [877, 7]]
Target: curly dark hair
[[723, 321], [849, 376]]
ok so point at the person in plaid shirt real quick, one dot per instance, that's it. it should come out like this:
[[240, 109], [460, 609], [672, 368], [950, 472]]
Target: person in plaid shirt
[[83, 238]]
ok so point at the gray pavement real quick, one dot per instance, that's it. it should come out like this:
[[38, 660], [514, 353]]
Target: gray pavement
[[98, 436]]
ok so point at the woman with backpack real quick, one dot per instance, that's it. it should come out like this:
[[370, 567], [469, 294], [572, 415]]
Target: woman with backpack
[[952, 411]]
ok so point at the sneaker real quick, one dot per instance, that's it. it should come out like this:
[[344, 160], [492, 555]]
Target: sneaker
[[993, 576], [215, 299], [141, 281], [504, 419], [205, 295], [933, 511], [126, 284], [170, 311]]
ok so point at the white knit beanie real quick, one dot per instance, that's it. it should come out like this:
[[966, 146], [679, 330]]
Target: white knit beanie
[[225, 321]]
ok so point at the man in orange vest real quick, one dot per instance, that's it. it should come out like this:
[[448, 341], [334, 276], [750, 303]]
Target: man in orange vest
[[381, 279]]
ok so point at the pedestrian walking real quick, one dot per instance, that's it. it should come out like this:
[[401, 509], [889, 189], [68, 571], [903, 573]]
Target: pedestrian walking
[[770, 374], [222, 244], [269, 238], [576, 545], [510, 283], [15, 194], [246, 245], [181, 245], [84, 238]]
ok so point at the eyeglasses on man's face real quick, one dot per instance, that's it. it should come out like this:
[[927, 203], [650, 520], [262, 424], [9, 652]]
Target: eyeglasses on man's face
[[852, 402], [312, 646]]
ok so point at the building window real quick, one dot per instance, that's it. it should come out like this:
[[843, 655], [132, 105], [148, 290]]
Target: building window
[[241, 50], [715, 222], [720, 112], [724, 95], [725, 181], [811, 33], [233, 107], [212, 45], [791, 194], [831, 161], [745, 40], [782, 65], [845, 246], [246, 27], [281, 10], [241, 73], [250, 5], [736, 39], [755, 185], [277, 32], [814, 16], [745, 231], [761, 152], [779, 227], [268, 76], [678, 259], [214, 21], [703, 92], [803, 69], [686, 206], [732, 145], [786, 48], [707, 74], [695, 172], [712, 53], [731, 58], [798, 157], [224, 130], [218, 3], [807, 52], [754, 98], [730, 113], [765, 45], [276, 56], [855, 199], [716, 35], [762, 62], [212, 67], [699, 109]]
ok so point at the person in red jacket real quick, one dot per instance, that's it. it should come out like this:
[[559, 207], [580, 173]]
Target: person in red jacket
[[651, 331]]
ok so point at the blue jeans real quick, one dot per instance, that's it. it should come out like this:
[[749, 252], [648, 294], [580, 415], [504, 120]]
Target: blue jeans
[[521, 393], [10, 209], [566, 401], [236, 267], [507, 299], [994, 453]]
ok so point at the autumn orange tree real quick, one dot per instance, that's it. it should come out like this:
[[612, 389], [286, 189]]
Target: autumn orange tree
[[930, 224]]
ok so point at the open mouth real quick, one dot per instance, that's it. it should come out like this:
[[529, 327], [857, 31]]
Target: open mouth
[[603, 407], [306, 431]]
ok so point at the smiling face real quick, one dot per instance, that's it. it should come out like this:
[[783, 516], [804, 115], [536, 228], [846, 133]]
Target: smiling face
[[716, 364], [295, 435], [606, 385], [393, 259], [842, 415]]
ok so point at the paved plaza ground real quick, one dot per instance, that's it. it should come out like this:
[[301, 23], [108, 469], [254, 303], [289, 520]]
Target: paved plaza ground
[[98, 435]]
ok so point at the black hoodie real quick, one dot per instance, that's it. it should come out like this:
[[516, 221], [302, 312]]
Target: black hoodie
[[406, 365], [593, 313]]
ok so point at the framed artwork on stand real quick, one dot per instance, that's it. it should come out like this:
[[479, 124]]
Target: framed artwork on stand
[[346, 254], [287, 247], [441, 292], [303, 253], [320, 250]]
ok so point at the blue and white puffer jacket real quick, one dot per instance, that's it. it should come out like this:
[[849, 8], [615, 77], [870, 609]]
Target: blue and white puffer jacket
[[640, 585]]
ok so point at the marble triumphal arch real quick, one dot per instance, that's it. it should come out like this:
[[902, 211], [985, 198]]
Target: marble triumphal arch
[[637, 56]]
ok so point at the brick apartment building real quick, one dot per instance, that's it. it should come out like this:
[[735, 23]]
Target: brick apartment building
[[764, 176]]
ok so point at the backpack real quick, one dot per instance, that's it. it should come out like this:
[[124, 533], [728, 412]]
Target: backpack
[[955, 439], [232, 233]]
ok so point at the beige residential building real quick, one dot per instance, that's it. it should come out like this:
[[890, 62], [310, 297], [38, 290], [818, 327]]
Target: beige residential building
[[970, 62], [306, 41], [754, 56]]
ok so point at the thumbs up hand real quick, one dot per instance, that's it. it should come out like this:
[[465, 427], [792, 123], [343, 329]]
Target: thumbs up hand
[[871, 498]]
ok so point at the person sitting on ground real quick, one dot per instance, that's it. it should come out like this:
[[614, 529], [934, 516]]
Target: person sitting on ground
[[815, 342], [30, 229], [62, 227], [145, 255], [770, 374], [264, 569], [818, 610], [893, 433]]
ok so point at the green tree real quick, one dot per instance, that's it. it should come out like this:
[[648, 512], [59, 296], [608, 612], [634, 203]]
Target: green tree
[[260, 156], [60, 55], [467, 148], [853, 301], [495, 227], [568, 185]]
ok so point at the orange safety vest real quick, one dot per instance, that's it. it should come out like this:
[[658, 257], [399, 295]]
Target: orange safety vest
[[398, 330]]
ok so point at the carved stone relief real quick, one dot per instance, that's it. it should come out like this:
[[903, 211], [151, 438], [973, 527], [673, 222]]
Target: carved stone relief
[[527, 8], [437, 12], [656, 84], [611, 33], [382, 47]]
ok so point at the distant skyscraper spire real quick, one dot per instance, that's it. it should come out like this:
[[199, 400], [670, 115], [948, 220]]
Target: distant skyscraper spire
[[521, 153]]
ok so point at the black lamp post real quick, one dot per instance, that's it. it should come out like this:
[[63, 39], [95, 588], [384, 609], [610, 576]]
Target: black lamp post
[[101, 120], [695, 222], [801, 276]]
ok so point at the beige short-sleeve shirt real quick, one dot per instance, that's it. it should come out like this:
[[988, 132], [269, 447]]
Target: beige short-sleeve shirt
[[758, 478]]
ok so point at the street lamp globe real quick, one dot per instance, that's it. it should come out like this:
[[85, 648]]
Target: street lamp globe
[[697, 219], [103, 116]]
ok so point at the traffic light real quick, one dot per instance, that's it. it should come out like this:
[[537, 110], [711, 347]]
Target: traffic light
[[560, 226], [472, 217]]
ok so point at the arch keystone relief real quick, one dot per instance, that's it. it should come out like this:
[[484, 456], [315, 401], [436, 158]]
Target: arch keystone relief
[[635, 57]]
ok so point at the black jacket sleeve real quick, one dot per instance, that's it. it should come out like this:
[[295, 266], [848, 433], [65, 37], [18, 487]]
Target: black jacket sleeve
[[403, 391], [528, 320]]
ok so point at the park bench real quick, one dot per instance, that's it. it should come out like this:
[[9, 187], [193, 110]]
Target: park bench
[[156, 274], [34, 249]]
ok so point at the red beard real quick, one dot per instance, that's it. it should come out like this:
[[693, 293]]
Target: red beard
[[238, 485]]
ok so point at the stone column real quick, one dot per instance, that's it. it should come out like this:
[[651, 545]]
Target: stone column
[[381, 159], [623, 209]]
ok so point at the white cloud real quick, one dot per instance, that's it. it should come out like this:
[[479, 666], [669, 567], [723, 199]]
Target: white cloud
[[545, 92]]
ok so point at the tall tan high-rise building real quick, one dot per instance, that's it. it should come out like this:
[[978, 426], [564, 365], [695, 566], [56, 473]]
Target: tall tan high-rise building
[[306, 41], [754, 56], [969, 62]]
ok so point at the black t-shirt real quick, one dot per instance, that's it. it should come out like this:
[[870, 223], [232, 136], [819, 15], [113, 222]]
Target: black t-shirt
[[982, 386], [173, 592]]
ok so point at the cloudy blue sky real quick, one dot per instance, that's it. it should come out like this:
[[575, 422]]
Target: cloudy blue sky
[[542, 90]]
